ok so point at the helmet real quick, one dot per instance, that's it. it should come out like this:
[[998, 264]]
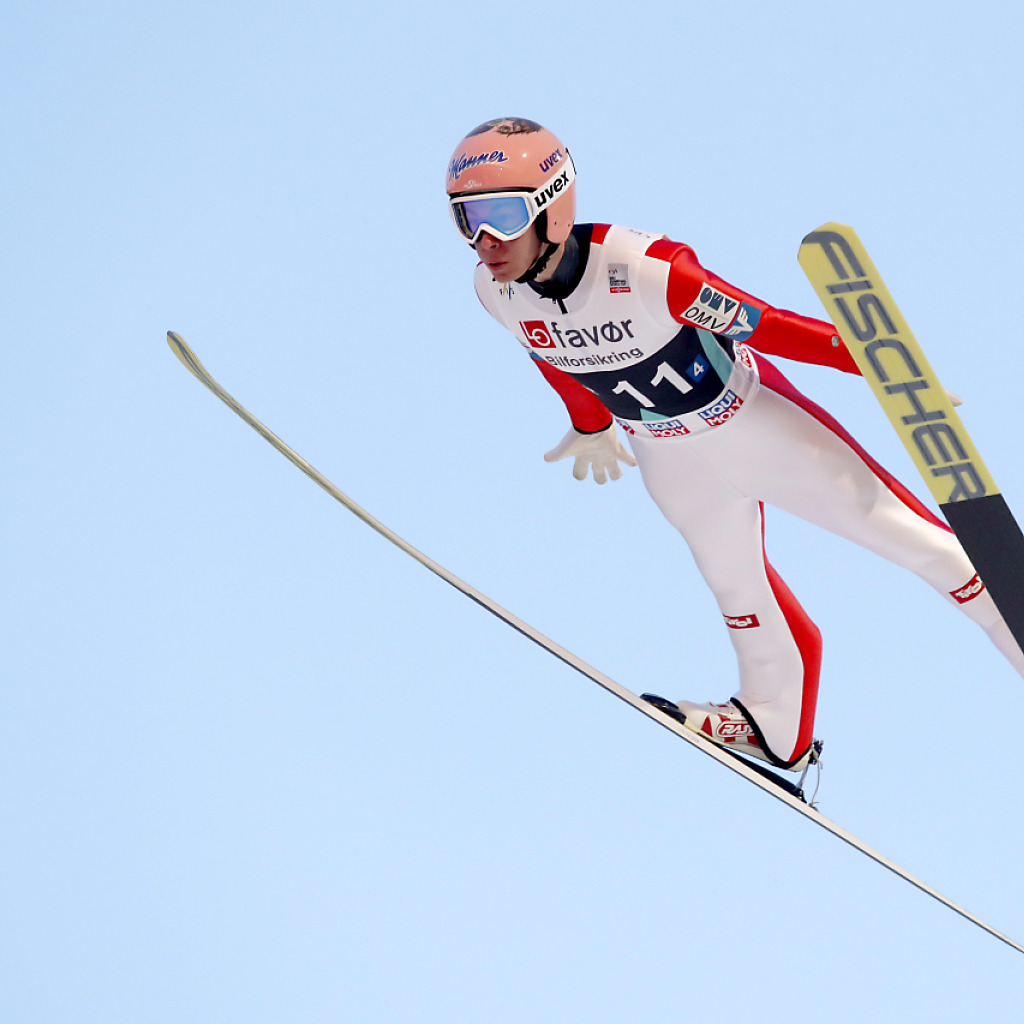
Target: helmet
[[510, 173]]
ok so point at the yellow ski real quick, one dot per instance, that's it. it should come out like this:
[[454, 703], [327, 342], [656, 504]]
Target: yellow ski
[[893, 364]]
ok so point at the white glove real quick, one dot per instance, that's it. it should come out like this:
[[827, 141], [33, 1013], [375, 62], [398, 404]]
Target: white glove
[[955, 400], [601, 452]]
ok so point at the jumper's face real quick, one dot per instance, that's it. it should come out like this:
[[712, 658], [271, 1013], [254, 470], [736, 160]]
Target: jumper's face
[[508, 261]]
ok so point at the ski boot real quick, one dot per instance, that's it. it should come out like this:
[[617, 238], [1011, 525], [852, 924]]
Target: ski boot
[[727, 726]]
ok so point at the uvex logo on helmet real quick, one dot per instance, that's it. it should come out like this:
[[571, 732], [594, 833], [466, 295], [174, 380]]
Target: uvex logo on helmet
[[552, 161], [545, 195]]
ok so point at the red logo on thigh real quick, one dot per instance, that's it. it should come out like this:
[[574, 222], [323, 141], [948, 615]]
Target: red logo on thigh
[[742, 621], [968, 592]]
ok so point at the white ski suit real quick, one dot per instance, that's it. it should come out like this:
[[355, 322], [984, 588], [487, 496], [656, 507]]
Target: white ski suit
[[633, 327]]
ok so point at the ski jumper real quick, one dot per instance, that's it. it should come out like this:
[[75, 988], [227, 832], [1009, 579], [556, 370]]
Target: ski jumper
[[641, 333]]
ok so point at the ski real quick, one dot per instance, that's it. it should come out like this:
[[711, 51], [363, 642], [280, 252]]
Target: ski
[[892, 362], [763, 778]]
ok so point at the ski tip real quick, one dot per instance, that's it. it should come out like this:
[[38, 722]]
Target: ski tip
[[179, 347], [185, 354], [832, 228]]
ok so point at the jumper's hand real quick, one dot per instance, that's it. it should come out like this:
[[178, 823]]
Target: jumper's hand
[[602, 452]]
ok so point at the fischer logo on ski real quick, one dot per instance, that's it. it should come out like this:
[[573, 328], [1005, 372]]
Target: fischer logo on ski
[[888, 355], [893, 364]]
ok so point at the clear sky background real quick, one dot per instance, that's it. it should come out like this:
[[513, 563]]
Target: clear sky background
[[257, 765]]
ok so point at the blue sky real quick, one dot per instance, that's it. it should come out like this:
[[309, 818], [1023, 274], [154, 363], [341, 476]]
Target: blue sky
[[256, 764]]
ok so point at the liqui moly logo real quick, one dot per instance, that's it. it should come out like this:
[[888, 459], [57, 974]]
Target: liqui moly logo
[[667, 428], [742, 621], [968, 592], [724, 409]]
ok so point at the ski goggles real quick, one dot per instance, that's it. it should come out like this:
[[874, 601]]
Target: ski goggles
[[508, 214]]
